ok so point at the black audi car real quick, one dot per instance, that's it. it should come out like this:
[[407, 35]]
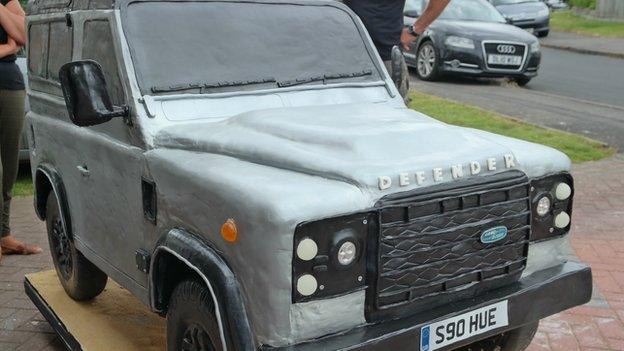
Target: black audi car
[[530, 15], [471, 38]]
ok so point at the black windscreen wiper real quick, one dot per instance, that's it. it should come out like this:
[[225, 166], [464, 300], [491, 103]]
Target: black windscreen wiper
[[211, 86], [323, 78]]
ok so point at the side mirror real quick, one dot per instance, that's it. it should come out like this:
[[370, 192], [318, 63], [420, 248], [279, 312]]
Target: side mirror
[[509, 20], [86, 96], [411, 13]]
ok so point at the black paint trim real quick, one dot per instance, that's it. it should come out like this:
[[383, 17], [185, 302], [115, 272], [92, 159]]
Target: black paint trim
[[537, 296], [544, 186], [40, 199], [328, 234], [150, 207], [227, 290], [66, 337]]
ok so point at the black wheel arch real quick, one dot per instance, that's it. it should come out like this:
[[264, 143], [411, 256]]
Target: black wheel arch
[[179, 255], [46, 181]]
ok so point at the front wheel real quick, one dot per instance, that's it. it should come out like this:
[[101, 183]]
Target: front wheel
[[191, 322], [80, 278], [427, 62], [543, 34], [522, 81], [513, 340]]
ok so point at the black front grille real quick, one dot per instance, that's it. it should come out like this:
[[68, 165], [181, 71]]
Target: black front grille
[[493, 49], [430, 250]]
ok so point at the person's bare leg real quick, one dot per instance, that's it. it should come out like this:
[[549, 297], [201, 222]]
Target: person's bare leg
[[12, 246]]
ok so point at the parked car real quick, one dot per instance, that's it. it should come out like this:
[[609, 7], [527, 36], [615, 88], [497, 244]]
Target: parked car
[[24, 156], [265, 192], [556, 4], [472, 39], [530, 15]]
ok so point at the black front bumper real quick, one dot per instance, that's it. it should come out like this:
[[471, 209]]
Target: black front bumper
[[534, 297]]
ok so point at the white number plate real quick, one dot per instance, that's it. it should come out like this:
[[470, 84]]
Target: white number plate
[[464, 326], [504, 60]]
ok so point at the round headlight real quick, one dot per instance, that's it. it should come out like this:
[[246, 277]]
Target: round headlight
[[347, 253], [543, 206], [563, 191], [307, 285], [562, 220], [307, 249]]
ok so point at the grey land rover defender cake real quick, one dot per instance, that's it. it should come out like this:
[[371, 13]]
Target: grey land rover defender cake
[[248, 170]]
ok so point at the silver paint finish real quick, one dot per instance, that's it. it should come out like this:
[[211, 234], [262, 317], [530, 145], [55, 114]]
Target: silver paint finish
[[268, 159], [546, 254]]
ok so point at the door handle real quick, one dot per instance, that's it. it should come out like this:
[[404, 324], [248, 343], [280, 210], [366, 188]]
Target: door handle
[[84, 170]]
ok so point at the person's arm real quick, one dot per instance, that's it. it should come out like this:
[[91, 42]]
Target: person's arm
[[13, 20], [9, 48], [431, 13]]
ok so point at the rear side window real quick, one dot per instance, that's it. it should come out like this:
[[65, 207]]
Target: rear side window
[[38, 52], [50, 48], [98, 45], [60, 48]]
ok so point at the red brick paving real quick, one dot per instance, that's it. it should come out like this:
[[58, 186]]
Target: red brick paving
[[597, 238]]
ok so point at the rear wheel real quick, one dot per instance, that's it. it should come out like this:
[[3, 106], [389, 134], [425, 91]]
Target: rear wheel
[[191, 321], [514, 340], [427, 62], [80, 278]]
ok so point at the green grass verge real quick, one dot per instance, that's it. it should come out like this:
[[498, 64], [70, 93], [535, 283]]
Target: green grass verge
[[577, 147], [23, 186], [566, 21], [588, 4]]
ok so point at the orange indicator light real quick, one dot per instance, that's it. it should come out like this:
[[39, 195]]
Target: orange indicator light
[[229, 232]]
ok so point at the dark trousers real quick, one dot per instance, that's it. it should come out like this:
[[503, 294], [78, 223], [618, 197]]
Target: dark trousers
[[11, 123]]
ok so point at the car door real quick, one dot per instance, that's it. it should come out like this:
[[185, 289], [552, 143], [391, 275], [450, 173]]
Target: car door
[[111, 226]]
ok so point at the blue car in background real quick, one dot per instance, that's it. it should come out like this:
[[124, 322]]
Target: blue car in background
[[531, 15]]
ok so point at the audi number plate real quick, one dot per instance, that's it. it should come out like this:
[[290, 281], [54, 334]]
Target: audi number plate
[[507, 60], [449, 331]]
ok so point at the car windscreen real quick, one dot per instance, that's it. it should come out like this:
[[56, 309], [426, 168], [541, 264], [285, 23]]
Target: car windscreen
[[462, 10], [210, 46]]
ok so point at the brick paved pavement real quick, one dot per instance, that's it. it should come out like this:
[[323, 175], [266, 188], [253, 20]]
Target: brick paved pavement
[[597, 237]]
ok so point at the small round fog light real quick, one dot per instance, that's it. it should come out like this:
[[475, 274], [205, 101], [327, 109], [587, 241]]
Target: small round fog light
[[562, 220], [563, 191], [543, 206], [307, 249], [307, 285], [347, 253]]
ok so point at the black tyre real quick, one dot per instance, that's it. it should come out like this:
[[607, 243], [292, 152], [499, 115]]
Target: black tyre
[[513, 340], [522, 81], [543, 34], [191, 321], [80, 278], [427, 62]]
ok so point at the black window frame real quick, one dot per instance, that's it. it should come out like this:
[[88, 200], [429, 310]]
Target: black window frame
[[41, 80]]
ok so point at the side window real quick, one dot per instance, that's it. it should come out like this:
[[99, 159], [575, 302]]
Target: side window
[[60, 48], [50, 48], [38, 52], [97, 44]]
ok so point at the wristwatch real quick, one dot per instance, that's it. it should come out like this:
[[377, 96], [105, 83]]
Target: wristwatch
[[411, 31]]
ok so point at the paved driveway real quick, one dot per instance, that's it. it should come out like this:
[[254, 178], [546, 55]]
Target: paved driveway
[[597, 237]]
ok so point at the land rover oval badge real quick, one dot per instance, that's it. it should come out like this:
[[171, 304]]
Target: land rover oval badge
[[493, 235]]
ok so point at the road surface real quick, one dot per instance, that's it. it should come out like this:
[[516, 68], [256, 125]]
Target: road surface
[[573, 92]]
